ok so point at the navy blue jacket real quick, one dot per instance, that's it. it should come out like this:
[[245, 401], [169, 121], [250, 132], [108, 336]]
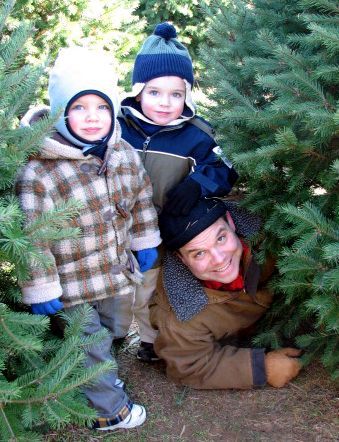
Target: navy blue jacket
[[171, 154]]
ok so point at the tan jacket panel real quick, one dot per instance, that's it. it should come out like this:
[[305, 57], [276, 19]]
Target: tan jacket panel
[[193, 355]]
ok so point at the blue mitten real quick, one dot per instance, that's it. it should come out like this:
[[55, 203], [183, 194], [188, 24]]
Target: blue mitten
[[146, 258], [48, 307]]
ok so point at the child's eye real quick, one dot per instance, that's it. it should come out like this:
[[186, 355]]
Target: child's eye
[[104, 107], [77, 107], [153, 92], [177, 94]]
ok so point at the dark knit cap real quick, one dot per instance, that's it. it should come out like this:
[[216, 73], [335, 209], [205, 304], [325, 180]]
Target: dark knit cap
[[162, 55], [176, 231]]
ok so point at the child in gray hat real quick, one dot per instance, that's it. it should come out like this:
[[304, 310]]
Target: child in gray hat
[[86, 159]]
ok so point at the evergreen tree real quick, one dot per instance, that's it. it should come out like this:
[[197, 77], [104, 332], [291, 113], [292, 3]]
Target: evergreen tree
[[115, 27], [40, 375], [187, 16], [272, 78]]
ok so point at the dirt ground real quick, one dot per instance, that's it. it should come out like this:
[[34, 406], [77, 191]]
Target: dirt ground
[[305, 411]]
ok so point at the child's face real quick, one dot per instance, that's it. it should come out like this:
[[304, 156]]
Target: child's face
[[162, 99], [90, 117]]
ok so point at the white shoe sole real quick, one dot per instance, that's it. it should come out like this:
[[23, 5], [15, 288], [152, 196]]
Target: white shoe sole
[[119, 383], [136, 417]]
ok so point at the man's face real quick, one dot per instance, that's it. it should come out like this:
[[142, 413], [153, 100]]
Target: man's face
[[214, 254]]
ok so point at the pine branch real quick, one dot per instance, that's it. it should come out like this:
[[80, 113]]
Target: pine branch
[[15, 330], [89, 376], [324, 6], [5, 11], [327, 36], [331, 252], [56, 218], [11, 50]]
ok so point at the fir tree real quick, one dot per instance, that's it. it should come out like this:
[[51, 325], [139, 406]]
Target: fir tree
[[272, 77], [40, 375]]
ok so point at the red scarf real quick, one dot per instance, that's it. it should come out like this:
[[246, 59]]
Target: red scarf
[[237, 283]]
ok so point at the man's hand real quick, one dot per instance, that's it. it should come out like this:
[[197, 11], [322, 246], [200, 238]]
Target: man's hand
[[48, 307], [281, 366], [183, 197], [146, 258]]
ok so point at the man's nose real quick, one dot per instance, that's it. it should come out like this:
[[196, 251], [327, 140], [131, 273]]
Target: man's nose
[[218, 256]]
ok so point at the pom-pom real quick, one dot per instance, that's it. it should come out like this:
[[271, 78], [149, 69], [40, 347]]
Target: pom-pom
[[165, 30]]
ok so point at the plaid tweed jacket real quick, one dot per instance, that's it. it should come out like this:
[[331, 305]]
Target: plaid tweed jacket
[[117, 216]]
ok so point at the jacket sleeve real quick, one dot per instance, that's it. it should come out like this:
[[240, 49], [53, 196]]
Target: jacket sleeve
[[144, 231], [213, 171], [44, 284]]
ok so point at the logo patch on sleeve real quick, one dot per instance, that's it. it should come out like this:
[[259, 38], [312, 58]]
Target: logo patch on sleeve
[[218, 151]]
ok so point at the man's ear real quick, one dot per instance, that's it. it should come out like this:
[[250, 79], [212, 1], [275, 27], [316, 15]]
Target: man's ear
[[179, 255], [230, 221]]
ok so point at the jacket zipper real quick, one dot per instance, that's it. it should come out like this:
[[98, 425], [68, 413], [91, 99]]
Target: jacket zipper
[[149, 137], [145, 147]]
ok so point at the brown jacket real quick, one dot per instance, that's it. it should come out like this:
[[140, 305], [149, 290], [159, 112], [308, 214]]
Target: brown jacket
[[192, 319]]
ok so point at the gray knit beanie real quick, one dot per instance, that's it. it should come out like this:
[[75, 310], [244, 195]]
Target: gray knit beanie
[[77, 70]]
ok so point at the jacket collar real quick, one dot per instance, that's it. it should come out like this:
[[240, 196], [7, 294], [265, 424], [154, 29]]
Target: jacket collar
[[57, 147], [186, 294]]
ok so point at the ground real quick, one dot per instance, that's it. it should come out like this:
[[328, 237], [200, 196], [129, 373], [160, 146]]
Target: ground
[[305, 411]]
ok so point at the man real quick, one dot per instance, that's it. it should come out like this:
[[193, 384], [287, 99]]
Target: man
[[211, 288]]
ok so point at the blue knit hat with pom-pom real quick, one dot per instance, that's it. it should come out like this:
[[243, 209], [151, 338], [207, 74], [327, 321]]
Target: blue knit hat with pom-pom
[[162, 55]]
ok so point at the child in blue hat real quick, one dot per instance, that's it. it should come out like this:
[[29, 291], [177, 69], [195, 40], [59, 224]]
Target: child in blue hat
[[177, 148]]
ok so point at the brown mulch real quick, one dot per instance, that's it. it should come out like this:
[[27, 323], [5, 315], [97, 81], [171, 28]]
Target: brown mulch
[[305, 411]]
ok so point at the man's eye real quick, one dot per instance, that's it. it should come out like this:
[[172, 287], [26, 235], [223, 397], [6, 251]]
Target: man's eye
[[199, 254], [222, 238]]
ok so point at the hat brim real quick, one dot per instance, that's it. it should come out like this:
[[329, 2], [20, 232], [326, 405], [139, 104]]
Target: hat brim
[[138, 87], [247, 224]]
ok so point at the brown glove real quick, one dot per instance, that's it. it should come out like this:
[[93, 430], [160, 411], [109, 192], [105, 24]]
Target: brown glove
[[282, 366]]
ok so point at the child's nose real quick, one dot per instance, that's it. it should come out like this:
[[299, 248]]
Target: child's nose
[[164, 100], [92, 114]]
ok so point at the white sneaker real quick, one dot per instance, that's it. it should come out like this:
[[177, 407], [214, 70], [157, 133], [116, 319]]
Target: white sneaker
[[136, 417]]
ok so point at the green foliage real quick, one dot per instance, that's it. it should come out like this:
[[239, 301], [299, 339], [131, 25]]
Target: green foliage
[[114, 26], [53, 21], [272, 80], [105, 24], [188, 17], [40, 375], [47, 391]]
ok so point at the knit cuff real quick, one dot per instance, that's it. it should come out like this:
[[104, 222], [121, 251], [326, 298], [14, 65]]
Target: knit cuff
[[258, 367], [41, 292], [146, 242]]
